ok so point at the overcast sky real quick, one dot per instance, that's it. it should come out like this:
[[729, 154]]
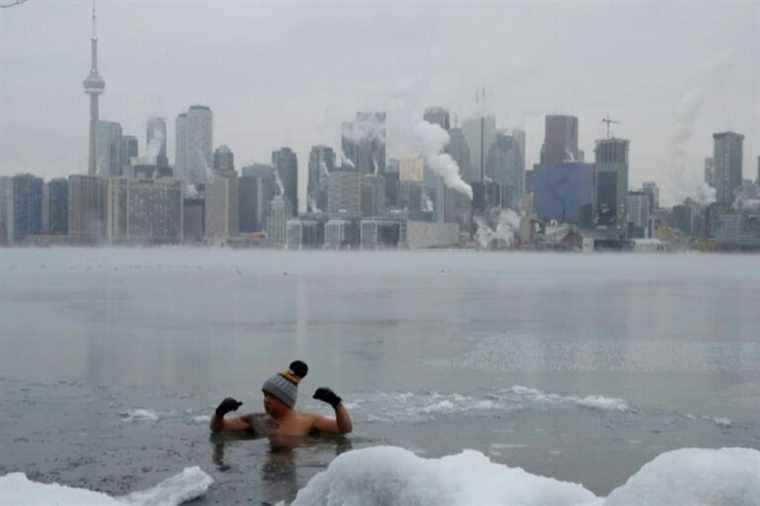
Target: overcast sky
[[288, 72]]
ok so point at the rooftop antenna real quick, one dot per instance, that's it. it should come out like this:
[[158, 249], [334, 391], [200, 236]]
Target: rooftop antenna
[[609, 122]]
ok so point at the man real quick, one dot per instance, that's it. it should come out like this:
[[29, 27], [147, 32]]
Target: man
[[281, 419]]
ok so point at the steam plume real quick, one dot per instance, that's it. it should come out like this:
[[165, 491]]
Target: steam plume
[[431, 140]]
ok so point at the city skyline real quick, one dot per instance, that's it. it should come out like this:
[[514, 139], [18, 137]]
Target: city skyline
[[312, 117]]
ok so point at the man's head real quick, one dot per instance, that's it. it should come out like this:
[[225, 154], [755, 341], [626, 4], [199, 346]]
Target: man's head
[[281, 390]]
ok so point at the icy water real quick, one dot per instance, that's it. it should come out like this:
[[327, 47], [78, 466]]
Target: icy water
[[578, 367]]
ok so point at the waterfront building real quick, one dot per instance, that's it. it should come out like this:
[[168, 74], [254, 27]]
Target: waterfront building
[[611, 182], [727, 161], [285, 163]]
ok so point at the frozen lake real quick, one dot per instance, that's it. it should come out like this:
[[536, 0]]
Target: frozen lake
[[578, 367]]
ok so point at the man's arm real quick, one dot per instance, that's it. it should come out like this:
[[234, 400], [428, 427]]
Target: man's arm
[[342, 423], [219, 423]]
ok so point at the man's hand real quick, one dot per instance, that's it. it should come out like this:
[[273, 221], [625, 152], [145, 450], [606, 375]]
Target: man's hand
[[227, 405], [324, 394]]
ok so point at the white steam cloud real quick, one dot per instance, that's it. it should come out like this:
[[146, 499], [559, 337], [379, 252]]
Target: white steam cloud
[[507, 228], [431, 139], [685, 183]]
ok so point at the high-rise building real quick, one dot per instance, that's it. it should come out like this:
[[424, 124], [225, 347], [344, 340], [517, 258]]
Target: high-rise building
[[266, 188], [479, 134], [109, 148], [373, 196], [222, 210], [116, 209], [248, 211], [154, 211], [194, 144], [709, 172], [94, 86], [560, 140], [87, 208], [129, 151], [21, 200], [459, 149], [321, 164], [727, 160], [58, 206], [565, 193], [411, 168], [155, 141], [193, 219], [180, 147], [637, 213], [438, 116], [758, 170], [6, 202], [363, 142], [279, 214], [285, 163], [651, 189], [224, 160], [505, 166], [611, 180], [344, 188]]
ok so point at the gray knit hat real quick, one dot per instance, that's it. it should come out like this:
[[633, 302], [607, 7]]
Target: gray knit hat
[[284, 385]]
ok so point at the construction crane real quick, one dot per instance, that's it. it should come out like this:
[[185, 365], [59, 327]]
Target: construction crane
[[14, 3], [609, 121]]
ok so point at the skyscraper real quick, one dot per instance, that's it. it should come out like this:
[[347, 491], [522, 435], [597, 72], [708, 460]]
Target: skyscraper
[[611, 180], [94, 86], [438, 116], [373, 196], [155, 141], [108, 139], [23, 207], [265, 188], [129, 150], [363, 142], [560, 140], [505, 166], [58, 206], [321, 163], [285, 163], [222, 210], [154, 211], [727, 160], [224, 160], [194, 144], [199, 143], [180, 147], [87, 208], [651, 189], [278, 220], [479, 133], [709, 172], [344, 188]]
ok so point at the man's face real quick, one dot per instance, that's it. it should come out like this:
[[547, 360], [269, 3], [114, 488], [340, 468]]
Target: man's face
[[274, 406]]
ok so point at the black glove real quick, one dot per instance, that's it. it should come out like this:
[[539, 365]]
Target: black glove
[[227, 405], [324, 394]]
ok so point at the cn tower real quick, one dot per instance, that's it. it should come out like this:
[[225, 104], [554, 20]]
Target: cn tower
[[94, 85]]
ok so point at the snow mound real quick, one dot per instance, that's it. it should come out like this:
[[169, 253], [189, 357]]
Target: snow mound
[[386, 475], [17, 489], [697, 477]]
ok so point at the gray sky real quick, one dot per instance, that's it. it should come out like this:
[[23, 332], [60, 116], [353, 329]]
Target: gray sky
[[288, 72]]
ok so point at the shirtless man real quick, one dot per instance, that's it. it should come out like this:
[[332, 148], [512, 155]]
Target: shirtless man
[[281, 419]]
